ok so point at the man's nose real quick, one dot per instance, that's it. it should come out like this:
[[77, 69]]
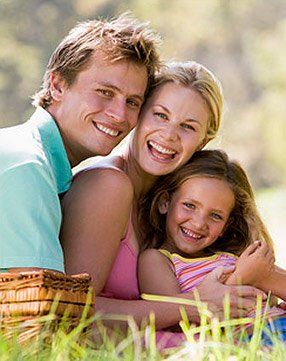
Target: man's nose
[[117, 110]]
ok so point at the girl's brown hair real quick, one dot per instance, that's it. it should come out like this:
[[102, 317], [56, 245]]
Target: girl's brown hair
[[244, 225]]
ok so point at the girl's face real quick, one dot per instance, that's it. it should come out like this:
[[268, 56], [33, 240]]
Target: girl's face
[[197, 214], [172, 126]]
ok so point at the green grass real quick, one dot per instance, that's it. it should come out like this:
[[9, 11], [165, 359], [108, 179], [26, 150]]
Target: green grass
[[212, 340]]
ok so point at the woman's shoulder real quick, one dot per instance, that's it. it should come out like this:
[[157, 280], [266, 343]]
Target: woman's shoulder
[[108, 171]]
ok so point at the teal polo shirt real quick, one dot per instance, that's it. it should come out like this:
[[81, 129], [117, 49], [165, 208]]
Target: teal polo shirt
[[34, 169]]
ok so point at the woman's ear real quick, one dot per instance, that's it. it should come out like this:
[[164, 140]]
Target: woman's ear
[[203, 143], [163, 204]]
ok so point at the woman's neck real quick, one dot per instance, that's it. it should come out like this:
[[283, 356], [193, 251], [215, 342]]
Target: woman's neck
[[141, 180]]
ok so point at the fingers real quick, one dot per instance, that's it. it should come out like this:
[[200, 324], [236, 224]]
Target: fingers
[[219, 273], [247, 292], [251, 248]]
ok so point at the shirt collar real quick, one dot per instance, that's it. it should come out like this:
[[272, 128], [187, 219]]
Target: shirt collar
[[53, 147]]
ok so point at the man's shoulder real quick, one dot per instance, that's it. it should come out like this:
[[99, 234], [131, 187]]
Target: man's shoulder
[[18, 145]]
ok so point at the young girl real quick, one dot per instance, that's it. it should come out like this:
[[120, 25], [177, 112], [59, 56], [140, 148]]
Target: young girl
[[200, 217]]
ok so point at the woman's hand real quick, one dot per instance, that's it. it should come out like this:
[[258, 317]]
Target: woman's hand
[[242, 299], [254, 264]]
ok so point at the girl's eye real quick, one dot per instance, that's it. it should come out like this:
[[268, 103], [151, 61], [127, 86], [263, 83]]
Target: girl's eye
[[105, 92], [188, 126], [189, 205], [216, 216], [161, 115]]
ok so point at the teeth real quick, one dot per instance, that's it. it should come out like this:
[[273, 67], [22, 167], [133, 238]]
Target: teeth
[[112, 132], [191, 234], [161, 149]]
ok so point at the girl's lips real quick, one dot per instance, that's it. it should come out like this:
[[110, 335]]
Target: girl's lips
[[187, 232]]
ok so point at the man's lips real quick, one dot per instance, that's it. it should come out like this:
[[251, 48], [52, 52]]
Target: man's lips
[[160, 151], [107, 130]]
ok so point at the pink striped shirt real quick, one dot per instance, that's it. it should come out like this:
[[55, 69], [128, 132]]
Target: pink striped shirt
[[190, 272]]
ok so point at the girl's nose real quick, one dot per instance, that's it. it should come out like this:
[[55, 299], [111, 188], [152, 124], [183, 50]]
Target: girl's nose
[[198, 222]]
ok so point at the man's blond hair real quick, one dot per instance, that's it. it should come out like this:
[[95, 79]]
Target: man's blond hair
[[123, 38]]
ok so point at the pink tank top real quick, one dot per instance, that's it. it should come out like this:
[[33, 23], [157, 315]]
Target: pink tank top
[[122, 282]]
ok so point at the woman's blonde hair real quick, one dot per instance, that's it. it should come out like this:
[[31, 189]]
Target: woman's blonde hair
[[200, 79], [244, 225]]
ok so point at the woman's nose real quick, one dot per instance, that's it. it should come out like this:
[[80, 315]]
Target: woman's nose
[[170, 132]]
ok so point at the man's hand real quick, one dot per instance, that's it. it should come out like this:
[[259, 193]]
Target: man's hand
[[213, 291]]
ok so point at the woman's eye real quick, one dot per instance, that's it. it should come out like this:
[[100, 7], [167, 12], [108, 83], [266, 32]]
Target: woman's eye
[[161, 115], [187, 126]]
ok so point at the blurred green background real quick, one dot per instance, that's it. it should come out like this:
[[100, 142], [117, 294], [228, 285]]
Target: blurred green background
[[242, 41]]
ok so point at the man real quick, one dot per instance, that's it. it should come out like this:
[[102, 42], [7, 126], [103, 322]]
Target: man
[[90, 99]]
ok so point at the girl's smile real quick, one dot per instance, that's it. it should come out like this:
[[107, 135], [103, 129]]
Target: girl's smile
[[197, 214]]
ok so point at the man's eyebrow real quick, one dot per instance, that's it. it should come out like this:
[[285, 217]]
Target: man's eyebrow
[[114, 87]]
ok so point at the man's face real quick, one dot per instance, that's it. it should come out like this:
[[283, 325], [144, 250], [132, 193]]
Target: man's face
[[100, 108]]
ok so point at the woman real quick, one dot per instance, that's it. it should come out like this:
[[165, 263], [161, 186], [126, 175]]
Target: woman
[[100, 226]]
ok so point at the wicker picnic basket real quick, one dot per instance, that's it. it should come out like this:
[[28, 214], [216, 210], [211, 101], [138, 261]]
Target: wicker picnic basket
[[28, 296]]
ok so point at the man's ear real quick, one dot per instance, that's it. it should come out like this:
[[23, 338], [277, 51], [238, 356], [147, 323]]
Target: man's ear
[[163, 204], [57, 86]]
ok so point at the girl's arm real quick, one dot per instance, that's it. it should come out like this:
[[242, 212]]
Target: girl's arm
[[156, 274]]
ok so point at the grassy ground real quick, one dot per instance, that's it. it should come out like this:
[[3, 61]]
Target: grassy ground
[[214, 340]]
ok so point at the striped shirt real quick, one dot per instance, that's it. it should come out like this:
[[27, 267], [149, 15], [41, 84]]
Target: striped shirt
[[190, 272]]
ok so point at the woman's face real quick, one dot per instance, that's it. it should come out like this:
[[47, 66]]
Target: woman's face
[[172, 126]]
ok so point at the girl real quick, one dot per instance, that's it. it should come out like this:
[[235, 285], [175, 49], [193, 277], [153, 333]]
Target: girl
[[100, 225], [199, 218]]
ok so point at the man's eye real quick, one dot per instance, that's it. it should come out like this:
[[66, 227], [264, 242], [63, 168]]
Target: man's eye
[[161, 115], [133, 103], [105, 92]]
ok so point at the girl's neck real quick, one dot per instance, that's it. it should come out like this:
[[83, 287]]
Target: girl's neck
[[170, 247]]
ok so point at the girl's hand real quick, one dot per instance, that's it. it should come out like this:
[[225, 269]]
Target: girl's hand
[[254, 264]]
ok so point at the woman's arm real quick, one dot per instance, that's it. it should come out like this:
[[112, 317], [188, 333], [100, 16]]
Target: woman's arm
[[95, 215], [274, 282]]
